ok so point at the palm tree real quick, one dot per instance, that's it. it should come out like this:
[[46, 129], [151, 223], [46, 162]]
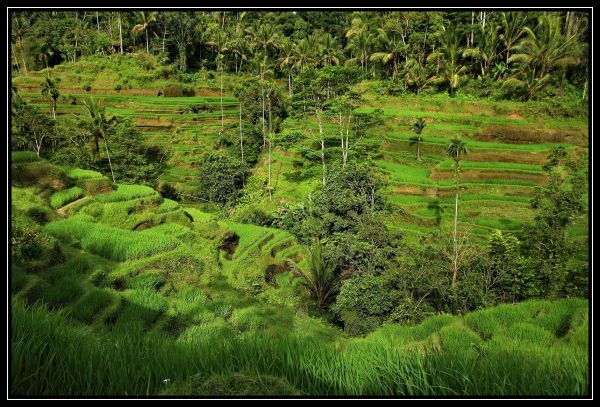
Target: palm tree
[[328, 49], [20, 28], [320, 278], [487, 47], [512, 23], [447, 55], [98, 122], [264, 36], [456, 148], [287, 59], [50, 91], [360, 39], [304, 51], [547, 47], [418, 129], [360, 45], [145, 22], [219, 42], [390, 46], [415, 75]]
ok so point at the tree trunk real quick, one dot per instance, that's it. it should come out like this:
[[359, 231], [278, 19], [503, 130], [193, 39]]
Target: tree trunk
[[418, 151], [290, 83], [109, 162], [222, 117], [97, 21], [270, 149], [322, 143], [120, 33], [15, 57], [263, 117], [23, 57], [241, 135], [147, 47], [455, 257]]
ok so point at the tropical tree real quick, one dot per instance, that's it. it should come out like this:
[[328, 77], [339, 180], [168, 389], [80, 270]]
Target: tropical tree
[[50, 92], [512, 24], [546, 48], [447, 56], [328, 49], [415, 76], [320, 278], [183, 25], [20, 27], [287, 59], [304, 54], [417, 140], [360, 46], [390, 46], [219, 42], [264, 36], [144, 23], [456, 149], [98, 123], [486, 50]]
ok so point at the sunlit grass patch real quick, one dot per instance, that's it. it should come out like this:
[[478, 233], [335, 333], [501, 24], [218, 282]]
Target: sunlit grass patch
[[109, 242], [61, 198], [126, 192]]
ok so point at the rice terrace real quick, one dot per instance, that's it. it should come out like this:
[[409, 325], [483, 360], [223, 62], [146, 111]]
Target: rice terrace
[[299, 203]]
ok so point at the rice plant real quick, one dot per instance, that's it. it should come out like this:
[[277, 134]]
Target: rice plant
[[61, 198]]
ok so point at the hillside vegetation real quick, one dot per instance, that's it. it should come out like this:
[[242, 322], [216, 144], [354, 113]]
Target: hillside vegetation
[[303, 204]]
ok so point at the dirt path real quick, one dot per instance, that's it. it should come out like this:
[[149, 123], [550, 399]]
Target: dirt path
[[64, 211]]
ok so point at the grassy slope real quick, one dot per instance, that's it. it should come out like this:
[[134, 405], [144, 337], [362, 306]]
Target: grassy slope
[[186, 310]]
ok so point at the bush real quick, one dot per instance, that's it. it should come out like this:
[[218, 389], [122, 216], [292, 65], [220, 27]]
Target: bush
[[363, 303], [252, 214], [167, 190], [31, 246], [61, 198], [221, 177], [178, 91]]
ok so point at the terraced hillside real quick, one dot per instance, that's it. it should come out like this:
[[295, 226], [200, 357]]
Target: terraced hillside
[[508, 143], [127, 281]]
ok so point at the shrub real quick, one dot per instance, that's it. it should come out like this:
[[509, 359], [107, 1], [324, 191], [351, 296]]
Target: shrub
[[31, 246], [178, 91], [363, 303], [95, 185], [252, 214], [61, 198], [167, 190]]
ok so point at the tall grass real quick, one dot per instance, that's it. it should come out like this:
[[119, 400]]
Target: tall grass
[[18, 157], [126, 192], [112, 243], [53, 357], [79, 174], [61, 198]]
